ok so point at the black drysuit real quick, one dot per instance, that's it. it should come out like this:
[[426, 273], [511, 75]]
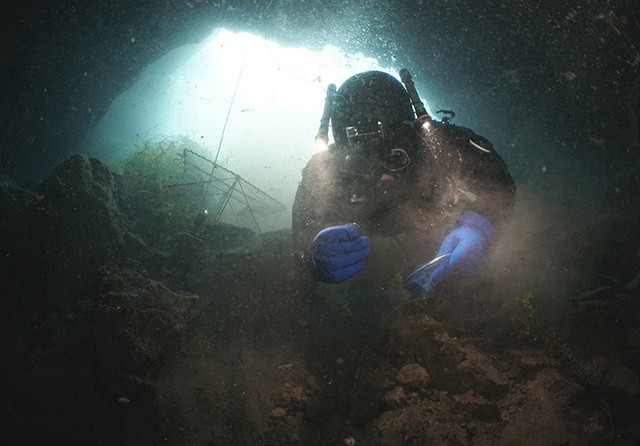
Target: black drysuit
[[452, 170]]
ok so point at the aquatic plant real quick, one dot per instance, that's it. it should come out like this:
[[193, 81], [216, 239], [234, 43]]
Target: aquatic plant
[[147, 177], [539, 332], [532, 322]]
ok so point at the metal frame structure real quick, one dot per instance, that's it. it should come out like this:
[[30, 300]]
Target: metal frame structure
[[225, 195]]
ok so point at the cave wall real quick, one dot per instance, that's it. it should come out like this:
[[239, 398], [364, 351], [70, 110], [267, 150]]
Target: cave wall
[[571, 68]]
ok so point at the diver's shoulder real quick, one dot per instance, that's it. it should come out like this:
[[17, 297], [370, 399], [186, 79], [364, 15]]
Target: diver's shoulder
[[463, 137]]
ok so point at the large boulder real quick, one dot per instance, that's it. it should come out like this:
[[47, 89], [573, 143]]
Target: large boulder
[[79, 224]]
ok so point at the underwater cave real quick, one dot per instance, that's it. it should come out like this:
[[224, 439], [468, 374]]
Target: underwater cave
[[172, 234]]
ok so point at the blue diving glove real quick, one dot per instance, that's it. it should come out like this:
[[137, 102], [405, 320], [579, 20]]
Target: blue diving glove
[[462, 249], [338, 253]]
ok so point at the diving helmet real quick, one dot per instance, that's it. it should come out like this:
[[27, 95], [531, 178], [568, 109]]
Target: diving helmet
[[371, 118]]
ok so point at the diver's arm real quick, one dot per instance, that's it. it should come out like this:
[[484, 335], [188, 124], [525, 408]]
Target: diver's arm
[[326, 248], [305, 220], [487, 177], [490, 193]]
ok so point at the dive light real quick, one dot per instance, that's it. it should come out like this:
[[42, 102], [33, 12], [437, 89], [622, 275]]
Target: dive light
[[322, 137], [418, 105]]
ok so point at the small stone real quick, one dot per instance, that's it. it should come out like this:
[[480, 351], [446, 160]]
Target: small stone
[[124, 400], [432, 395], [395, 398], [349, 441], [414, 376], [298, 395], [593, 427]]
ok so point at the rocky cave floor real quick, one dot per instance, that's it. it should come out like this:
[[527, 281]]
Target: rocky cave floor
[[110, 340]]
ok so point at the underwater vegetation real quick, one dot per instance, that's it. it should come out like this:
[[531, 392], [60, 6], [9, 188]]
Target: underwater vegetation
[[148, 178], [540, 332]]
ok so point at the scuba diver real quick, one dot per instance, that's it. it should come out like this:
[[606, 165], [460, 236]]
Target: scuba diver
[[398, 194]]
